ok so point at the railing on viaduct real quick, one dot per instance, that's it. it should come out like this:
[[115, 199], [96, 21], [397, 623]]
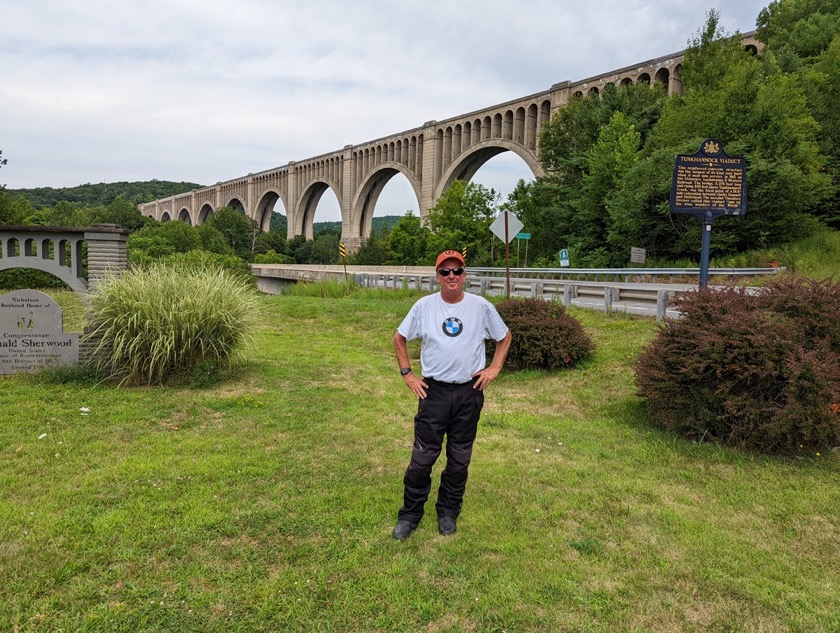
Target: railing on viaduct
[[430, 157]]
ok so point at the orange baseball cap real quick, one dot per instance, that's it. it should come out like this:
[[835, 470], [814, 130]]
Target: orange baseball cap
[[449, 255]]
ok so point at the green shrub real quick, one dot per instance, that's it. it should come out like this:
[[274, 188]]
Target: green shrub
[[19, 278], [199, 260], [756, 370], [196, 260], [272, 257], [813, 305], [163, 323], [544, 335], [76, 375]]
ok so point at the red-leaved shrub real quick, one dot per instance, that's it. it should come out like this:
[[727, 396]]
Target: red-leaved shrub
[[758, 370], [544, 335]]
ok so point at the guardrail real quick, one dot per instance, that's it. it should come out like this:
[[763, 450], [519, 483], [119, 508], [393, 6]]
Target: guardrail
[[632, 298], [646, 291], [627, 275]]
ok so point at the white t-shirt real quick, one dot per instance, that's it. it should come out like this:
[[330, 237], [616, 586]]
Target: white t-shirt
[[453, 335]]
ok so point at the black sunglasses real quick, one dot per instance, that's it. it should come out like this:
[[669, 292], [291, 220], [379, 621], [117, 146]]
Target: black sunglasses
[[444, 272]]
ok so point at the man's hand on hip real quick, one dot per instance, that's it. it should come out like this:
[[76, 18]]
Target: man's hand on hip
[[417, 386], [485, 377]]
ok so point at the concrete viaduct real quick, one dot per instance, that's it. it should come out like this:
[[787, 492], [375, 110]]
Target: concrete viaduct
[[430, 157]]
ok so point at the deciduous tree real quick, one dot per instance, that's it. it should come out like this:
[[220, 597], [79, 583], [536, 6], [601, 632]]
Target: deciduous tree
[[461, 220], [407, 241], [237, 229]]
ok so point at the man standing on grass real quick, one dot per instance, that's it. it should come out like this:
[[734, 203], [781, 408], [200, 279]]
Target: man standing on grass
[[452, 326]]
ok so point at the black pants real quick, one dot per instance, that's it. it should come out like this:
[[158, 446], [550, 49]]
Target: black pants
[[451, 410]]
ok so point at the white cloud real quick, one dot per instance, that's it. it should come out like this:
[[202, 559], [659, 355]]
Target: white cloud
[[209, 91]]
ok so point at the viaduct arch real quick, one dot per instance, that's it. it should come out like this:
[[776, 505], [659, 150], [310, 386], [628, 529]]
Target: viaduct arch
[[430, 157]]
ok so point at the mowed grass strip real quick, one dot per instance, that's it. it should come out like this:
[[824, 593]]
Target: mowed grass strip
[[266, 503]]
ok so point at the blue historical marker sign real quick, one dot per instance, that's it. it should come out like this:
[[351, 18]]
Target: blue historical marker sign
[[709, 181], [709, 184]]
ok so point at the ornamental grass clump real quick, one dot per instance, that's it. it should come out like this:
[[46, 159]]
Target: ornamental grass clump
[[162, 323], [544, 335], [759, 370]]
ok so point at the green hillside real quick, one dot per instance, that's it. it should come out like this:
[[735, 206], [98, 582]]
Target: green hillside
[[103, 194], [379, 224]]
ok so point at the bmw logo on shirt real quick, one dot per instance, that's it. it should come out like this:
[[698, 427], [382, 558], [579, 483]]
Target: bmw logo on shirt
[[452, 326]]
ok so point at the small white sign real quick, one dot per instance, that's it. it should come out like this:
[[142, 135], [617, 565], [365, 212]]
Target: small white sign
[[637, 255], [514, 226]]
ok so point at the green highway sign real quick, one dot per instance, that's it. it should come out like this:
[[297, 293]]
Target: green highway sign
[[523, 236]]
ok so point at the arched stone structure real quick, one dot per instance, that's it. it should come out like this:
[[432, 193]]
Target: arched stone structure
[[184, 216], [58, 251], [470, 161], [304, 217], [204, 213], [364, 202], [237, 205], [266, 207], [430, 157]]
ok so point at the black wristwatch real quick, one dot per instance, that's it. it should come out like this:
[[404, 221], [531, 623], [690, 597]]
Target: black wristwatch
[[405, 370]]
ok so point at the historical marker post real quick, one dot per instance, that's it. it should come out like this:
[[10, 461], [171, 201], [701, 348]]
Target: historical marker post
[[709, 184]]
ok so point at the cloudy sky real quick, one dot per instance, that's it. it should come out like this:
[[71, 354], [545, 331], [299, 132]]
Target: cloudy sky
[[101, 91]]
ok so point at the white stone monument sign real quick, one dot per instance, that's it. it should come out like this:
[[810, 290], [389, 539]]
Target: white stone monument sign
[[32, 333]]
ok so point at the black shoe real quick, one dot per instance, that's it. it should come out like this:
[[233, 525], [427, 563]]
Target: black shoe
[[446, 525], [403, 530]]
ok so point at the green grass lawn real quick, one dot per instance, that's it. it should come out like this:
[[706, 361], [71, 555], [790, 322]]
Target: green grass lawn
[[267, 502]]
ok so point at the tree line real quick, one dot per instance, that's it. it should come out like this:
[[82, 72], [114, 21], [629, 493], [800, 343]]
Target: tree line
[[103, 194], [609, 159]]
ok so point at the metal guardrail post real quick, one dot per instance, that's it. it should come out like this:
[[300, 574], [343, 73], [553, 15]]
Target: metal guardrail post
[[608, 299], [661, 304], [567, 295]]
